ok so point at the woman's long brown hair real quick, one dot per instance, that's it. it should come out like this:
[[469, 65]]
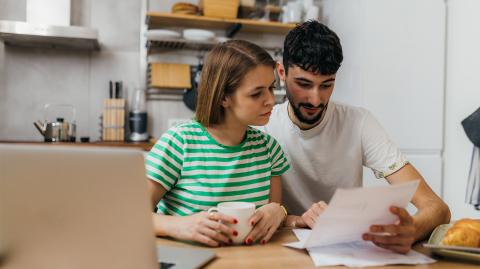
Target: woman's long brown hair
[[223, 70]]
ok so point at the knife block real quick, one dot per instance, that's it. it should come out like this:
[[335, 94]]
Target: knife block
[[113, 123]]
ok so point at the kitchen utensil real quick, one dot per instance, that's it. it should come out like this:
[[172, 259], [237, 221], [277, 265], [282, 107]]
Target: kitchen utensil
[[58, 130], [293, 12], [138, 117], [312, 13], [113, 120], [190, 96]]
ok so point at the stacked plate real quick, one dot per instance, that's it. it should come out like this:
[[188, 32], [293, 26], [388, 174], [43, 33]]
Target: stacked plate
[[162, 34], [198, 35], [460, 253]]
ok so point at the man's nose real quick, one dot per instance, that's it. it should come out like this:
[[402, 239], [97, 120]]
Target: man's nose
[[314, 98]]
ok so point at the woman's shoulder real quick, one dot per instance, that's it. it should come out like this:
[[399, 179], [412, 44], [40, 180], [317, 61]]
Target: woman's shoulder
[[185, 127], [184, 130], [258, 134]]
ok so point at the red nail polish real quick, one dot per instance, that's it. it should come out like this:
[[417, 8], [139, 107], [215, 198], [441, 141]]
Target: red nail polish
[[249, 241], [252, 223], [263, 242], [235, 233], [230, 241], [235, 221]]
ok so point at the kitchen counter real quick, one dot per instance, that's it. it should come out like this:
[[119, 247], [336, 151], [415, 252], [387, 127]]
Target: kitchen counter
[[146, 146]]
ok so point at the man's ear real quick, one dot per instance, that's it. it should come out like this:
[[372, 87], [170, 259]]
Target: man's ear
[[281, 71]]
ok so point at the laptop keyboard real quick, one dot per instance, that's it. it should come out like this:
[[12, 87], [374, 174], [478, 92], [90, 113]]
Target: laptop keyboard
[[165, 265]]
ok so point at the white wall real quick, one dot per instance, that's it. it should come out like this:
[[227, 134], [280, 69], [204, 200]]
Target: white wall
[[462, 98], [29, 78]]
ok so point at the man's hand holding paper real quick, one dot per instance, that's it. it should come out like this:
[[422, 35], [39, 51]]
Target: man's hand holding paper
[[355, 212], [355, 216], [397, 237]]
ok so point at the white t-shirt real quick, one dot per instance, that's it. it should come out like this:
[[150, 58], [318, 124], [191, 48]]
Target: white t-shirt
[[332, 154]]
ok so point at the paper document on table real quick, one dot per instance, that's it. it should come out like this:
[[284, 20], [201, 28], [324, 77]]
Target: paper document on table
[[359, 254], [351, 212]]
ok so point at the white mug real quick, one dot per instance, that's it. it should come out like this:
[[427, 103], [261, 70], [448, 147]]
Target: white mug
[[241, 211], [294, 12], [312, 13]]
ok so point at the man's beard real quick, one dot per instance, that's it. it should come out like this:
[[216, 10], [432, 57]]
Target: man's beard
[[299, 115]]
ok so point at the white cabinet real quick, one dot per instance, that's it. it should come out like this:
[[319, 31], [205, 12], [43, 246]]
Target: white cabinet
[[394, 62]]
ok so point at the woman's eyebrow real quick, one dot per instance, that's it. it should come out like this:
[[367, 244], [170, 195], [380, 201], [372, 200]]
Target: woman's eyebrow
[[263, 87]]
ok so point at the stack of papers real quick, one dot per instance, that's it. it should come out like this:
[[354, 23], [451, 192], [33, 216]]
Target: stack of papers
[[358, 254], [336, 238]]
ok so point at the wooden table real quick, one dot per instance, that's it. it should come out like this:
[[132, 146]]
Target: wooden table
[[274, 255]]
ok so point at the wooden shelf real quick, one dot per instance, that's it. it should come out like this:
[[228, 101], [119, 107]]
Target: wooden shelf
[[155, 46], [161, 20]]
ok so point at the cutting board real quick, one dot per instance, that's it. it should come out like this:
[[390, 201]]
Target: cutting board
[[169, 76]]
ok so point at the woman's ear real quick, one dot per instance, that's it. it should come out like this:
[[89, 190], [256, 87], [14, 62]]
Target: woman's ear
[[226, 102]]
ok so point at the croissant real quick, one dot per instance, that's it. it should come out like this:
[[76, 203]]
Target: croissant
[[469, 223], [465, 233]]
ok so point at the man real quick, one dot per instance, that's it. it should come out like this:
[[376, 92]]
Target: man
[[328, 143]]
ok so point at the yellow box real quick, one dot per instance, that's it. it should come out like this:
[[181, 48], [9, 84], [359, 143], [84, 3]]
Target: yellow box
[[220, 8]]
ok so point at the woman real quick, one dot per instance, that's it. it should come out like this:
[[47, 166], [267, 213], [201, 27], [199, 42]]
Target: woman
[[218, 157]]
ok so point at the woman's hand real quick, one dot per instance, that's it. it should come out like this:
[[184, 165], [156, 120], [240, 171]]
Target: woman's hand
[[308, 219], [205, 228], [265, 222]]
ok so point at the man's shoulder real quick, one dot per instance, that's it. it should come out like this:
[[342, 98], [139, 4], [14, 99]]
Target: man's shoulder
[[340, 107], [345, 112]]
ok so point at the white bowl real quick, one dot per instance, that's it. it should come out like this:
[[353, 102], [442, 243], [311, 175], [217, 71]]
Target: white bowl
[[221, 39], [161, 34], [198, 34]]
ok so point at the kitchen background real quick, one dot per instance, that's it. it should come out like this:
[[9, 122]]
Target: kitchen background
[[412, 63]]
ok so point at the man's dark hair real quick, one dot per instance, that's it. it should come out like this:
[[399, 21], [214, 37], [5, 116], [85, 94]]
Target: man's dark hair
[[312, 46]]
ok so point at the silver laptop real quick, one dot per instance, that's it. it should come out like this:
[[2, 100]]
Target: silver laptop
[[72, 207]]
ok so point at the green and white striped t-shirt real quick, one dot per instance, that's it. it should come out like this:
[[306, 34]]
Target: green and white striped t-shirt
[[198, 173]]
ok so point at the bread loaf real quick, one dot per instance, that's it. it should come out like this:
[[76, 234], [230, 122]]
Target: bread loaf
[[184, 8], [464, 233]]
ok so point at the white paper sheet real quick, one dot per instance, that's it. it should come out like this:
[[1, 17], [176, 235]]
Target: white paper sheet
[[336, 238], [358, 254], [351, 212]]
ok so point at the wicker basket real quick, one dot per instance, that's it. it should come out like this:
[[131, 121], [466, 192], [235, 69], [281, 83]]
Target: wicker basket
[[220, 8]]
